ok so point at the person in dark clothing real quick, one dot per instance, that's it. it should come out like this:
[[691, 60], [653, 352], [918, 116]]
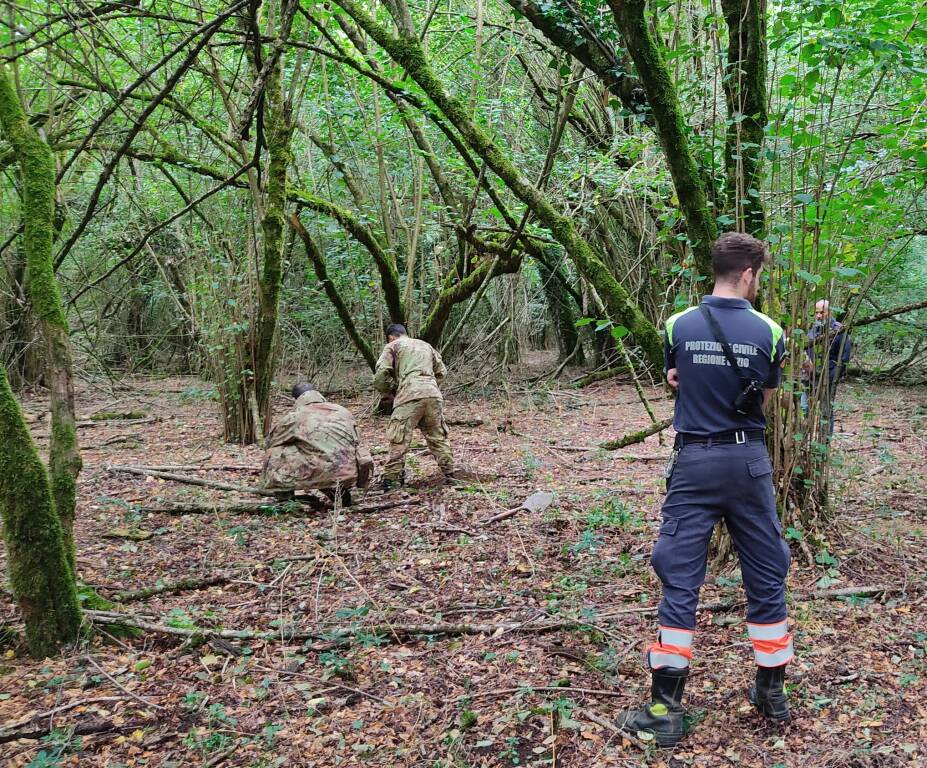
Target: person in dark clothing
[[827, 340], [724, 359]]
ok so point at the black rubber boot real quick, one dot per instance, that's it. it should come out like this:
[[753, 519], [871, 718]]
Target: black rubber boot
[[663, 717], [767, 694]]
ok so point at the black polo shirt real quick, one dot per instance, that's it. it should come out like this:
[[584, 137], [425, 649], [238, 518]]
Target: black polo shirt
[[707, 385]]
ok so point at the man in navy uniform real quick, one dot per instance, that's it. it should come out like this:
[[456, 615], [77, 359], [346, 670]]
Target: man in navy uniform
[[720, 470]]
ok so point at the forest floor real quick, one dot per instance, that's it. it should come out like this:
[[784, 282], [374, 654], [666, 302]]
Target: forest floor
[[511, 692]]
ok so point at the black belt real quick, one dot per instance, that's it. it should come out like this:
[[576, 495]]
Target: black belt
[[722, 438]]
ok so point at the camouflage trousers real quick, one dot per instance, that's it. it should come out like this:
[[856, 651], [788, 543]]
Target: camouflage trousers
[[428, 415]]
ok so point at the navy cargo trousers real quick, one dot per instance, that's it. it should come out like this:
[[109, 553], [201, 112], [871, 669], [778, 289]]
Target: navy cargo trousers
[[710, 482]]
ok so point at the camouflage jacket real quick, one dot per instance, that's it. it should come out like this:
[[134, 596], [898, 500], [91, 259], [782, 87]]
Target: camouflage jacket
[[315, 445], [410, 369]]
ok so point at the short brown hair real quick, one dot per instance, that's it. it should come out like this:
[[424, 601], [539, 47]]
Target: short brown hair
[[734, 252]]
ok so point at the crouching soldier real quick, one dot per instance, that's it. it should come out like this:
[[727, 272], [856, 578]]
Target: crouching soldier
[[315, 447], [409, 369]]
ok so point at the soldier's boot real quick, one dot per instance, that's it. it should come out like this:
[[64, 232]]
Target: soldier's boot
[[767, 694], [663, 717]]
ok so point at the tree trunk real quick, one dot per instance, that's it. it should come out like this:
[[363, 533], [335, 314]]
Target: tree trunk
[[278, 129], [745, 92], [19, 352], [38, 547], [632, 23], [407, 51], [560, 306], [38, 205]]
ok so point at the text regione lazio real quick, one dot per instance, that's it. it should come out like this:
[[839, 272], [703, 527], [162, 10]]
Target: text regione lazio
[[719, 359]]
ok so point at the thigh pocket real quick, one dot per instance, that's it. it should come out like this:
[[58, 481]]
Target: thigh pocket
[[760, 466], [663, 557], [669, 526], [396, 430]]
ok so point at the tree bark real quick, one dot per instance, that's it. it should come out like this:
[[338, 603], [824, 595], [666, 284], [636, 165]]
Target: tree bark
[[745, 92], [278, 130], [630, 17], [38, 206], [39, 560]]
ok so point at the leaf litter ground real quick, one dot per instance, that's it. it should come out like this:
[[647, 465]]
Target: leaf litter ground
[[508, 695]]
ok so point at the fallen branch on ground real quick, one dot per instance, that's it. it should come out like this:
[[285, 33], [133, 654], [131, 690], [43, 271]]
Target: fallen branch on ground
[[289, 506], [237, 507], [182, 585], [7, 727], [87, 423], [592, 378], [79, 729], [190, 480], [399, 632], [333, 633], [476, 421], [635, 437], [199, 467]]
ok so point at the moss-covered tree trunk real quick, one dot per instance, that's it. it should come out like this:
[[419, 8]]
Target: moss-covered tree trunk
[[38, 205], [630, 17], [408, 52], [278, 129], [745, 92], [38, 547]]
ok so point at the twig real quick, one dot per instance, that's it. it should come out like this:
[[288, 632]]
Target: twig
[[121, 687], [613, 728], [504, 515]]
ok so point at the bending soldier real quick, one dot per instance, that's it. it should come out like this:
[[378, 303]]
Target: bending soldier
[[724, 359], [315, 446], [409, 369]]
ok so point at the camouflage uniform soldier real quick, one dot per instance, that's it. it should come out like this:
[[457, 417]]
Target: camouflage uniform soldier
[[410, 368], [315, 446]]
